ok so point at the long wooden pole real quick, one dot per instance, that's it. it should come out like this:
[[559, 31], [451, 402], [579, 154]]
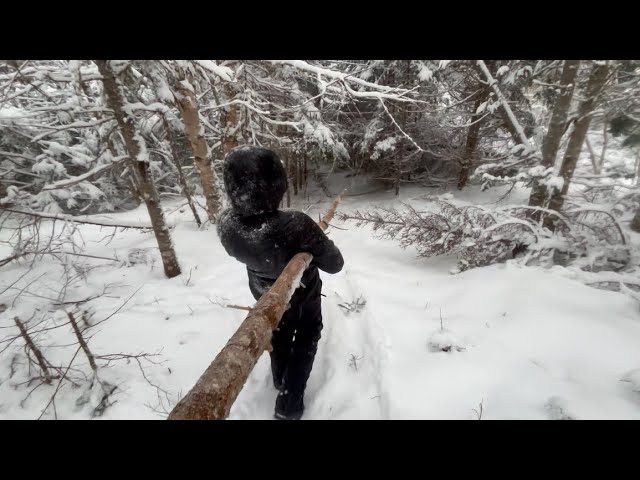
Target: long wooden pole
[[218, 387]]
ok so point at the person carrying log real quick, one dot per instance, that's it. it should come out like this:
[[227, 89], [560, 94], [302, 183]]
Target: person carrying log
[[257, 234]]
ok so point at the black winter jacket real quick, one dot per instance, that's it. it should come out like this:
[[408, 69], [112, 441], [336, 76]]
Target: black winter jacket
[[256, 233]]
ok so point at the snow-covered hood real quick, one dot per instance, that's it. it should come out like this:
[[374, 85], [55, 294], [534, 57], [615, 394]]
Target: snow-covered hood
[[255, 180]]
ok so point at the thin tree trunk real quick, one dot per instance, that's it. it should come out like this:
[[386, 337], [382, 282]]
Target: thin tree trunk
[[181, 178], [294, 166], [403, 125], [592, 155], [506, 123], [229, 119], [306, 170], [605, 141], [306, 173], [400, 151], [635, 221], [597, 80], [288, 170], [42, 362], [557, 124], [83, 343], [215, 391], [299, 172], [398, 174], [140, 167], [188, 106], [473, 134]]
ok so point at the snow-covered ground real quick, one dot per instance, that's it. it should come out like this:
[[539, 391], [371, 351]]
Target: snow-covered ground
[[403, 338]]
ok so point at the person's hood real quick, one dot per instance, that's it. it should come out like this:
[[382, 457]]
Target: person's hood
[[255, 180]]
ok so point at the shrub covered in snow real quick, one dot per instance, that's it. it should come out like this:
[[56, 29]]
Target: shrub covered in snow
[[590, 239]]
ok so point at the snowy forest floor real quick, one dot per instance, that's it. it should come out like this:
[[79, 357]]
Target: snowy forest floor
[[524, 342]]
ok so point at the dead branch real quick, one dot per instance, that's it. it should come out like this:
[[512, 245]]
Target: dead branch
[[83, 343], [239, 307], [16, 256], [42, 362], [324, 222], [13, 257], [69, 218]]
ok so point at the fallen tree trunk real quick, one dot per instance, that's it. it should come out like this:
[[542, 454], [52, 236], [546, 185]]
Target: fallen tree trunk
[[215, 391]]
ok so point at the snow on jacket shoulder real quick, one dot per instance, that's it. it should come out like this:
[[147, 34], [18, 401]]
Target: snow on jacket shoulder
[[256, 233]]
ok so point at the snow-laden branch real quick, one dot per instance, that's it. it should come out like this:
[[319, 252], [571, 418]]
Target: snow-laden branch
[[17, 155], [236, 102], [295, 125], [79, 219], [467, 125], [513, 221], [400, 128], [156, 107], [224, 73], [85, 176], [378, 95], [595, 209], [93, 123], [493, 83], [323, 90], [265, 114], [537, 209], [36, 112], [380, 91], [54, 74]]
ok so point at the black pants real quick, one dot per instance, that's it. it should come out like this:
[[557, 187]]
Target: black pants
[[295, 343]]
